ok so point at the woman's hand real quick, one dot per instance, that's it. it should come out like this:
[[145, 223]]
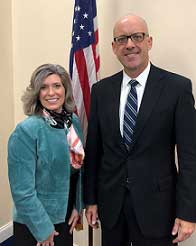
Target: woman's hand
[[49, 241], [73, 220]]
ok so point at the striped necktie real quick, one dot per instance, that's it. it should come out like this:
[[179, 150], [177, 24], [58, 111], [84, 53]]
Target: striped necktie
[[130, 114]]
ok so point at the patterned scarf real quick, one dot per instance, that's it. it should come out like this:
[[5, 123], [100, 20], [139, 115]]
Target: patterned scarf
[[64, 120]]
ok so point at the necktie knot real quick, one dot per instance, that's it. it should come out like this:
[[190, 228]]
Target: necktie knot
[[133, 82]]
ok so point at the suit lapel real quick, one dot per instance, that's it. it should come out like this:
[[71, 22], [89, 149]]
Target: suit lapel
[[152, 92], [116, 88]]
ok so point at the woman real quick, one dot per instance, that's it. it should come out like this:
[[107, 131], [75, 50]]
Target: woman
[[45, 157]]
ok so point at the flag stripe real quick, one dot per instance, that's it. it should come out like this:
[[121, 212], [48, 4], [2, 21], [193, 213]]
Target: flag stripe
[[83, 78], [77, 91], [91, 69], [96, 53]]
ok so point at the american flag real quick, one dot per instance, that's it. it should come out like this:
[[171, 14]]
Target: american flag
[[84, 56]]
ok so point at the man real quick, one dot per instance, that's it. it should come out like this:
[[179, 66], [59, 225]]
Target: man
[[137, 118]]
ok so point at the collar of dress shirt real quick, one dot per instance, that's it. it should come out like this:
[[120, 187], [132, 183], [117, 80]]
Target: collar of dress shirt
[[141, 79]]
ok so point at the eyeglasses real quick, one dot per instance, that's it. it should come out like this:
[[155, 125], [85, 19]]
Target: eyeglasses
[[135, 37]]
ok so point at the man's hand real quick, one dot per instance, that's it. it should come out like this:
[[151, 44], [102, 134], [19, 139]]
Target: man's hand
[[92, 216], [183, 229]]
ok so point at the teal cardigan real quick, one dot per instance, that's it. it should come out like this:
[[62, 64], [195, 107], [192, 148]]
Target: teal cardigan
[[39, 174]]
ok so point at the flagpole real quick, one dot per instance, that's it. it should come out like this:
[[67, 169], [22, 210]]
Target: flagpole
[[90, 236]]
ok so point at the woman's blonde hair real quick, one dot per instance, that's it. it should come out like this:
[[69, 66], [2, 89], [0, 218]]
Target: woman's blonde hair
[[30, 98]]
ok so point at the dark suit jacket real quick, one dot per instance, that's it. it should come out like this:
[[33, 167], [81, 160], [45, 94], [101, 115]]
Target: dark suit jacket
[[166, 119]]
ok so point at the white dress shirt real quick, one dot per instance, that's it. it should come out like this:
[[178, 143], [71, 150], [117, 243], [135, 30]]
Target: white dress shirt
[[125, 87]]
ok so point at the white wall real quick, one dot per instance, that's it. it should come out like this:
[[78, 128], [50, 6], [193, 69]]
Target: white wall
[[6, 106], [41, 34]]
